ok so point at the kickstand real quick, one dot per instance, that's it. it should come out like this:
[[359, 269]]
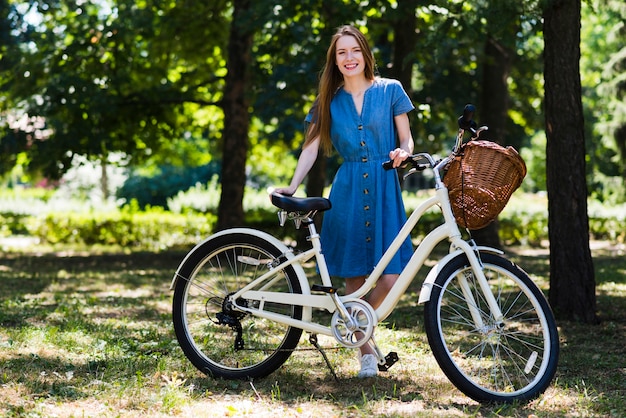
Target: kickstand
[[313, 340]]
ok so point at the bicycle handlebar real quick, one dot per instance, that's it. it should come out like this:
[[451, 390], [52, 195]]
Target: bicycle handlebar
[[466, 123]]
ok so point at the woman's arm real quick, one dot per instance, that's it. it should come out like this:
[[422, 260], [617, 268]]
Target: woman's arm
[[405, 149], [305, 162]]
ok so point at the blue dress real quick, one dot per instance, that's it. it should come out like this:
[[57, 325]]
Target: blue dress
[[367, 208]]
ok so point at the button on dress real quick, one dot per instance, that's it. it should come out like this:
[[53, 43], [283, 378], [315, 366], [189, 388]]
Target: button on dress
[[367, 208]]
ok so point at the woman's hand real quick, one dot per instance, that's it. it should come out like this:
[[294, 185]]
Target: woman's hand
[[286, 191], [398, 156]]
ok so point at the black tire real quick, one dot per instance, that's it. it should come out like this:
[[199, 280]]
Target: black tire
[[207, 329], [514, 362]]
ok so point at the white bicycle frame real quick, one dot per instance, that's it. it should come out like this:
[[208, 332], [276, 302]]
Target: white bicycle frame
[[260, 289]]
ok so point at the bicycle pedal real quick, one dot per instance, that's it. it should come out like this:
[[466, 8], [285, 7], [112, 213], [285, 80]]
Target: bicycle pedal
[[326, 289], [390, 360]]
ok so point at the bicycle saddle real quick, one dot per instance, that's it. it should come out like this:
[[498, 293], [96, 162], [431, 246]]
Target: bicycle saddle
[[300, 204]]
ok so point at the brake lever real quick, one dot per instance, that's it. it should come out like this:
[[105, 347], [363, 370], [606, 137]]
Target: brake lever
[[478, 131], [415, 169]]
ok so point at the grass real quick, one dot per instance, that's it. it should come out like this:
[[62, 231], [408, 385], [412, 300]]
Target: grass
[[91, 335]]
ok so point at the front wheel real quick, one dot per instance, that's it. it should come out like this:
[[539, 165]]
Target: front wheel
[[219, 339], [491, 361]]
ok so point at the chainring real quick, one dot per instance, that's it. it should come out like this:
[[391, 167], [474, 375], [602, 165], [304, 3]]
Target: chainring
[[358, 328]]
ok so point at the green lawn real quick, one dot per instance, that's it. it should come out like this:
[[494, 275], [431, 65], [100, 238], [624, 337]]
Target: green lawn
[[91, 335]]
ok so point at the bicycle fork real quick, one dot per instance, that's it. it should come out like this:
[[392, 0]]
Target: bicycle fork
[[473, 255], [479, 275]]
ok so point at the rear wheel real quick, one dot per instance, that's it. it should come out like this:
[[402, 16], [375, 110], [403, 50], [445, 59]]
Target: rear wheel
[[515, 359], [215, 336]]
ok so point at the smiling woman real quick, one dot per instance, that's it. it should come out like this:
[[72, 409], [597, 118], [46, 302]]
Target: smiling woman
[[349, 57], [365, 119]]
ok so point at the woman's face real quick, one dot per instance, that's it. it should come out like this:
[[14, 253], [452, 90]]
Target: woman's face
[[349, 56]]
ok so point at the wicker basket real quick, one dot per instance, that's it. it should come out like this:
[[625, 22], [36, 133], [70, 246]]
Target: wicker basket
[[481, 180]]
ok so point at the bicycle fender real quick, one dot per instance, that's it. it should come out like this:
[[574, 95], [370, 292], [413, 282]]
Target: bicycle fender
[[304, 284], [434, 272]]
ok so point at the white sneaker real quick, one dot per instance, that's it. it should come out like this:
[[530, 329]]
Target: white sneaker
[[369, 366]]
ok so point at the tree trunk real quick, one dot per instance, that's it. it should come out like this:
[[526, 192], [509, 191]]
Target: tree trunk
[[572, 282], [235, 105], [494, 106], [316, 178], [404, 40], [494, 98], [315, 183], [620, 140], [104, 177]]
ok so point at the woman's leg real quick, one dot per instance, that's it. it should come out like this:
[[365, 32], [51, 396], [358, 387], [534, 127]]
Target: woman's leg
[[376, 297], [383, 286]]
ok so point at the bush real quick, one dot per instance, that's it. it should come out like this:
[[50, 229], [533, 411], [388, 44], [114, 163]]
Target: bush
[[607, 222], [200, 198], [156, 189], [153, 228], [523, 221]]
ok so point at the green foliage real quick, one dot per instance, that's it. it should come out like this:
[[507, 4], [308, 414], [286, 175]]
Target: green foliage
[[24, 195], [607, 222], [52, 219], [535, 158], [611, 190], [115, 78], [13, 224], [192, 217], [269, 163], [523, 228], [147, 79], [603, 59], [154, 189], [152, 228], [200, 198]]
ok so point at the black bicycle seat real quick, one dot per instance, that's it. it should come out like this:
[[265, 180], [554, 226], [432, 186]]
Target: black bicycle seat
[[300, 204]]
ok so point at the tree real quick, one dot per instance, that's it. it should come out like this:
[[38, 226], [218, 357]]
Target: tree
[[13, 31], [503, 23], [114, 80], [236, 120], [572, 282], [608, 56]]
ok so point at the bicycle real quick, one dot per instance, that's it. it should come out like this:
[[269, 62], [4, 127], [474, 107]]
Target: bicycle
[[242, 300]]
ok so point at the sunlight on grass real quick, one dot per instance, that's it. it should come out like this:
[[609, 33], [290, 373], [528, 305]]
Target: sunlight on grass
[[93, 336]]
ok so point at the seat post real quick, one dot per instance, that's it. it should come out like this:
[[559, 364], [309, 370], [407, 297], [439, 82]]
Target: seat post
[[313, 235], [316, 243]]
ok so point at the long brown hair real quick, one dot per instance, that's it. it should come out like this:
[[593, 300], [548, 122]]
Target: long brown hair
[[330, 80]]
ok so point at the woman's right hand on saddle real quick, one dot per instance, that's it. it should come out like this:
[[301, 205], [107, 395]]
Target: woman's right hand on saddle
[[285, 191]]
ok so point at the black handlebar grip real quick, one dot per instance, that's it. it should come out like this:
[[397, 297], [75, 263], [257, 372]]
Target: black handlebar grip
[[466, 120], [388, 165]]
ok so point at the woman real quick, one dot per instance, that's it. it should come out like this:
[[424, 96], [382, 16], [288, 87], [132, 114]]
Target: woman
[[365, 118]]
